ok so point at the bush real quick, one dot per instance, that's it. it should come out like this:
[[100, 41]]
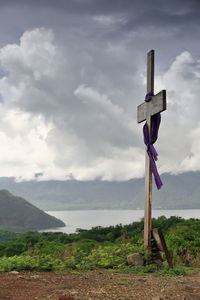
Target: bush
[[98, 248], [111, 256]]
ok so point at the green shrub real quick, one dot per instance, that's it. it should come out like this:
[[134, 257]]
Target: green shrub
[[111, 256], [99, 247], [18, 263]]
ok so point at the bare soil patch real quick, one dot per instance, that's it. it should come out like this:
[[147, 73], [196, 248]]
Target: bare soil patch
[[96, 285]]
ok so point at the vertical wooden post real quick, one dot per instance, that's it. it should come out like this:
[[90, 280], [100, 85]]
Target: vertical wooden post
[[148, 172]]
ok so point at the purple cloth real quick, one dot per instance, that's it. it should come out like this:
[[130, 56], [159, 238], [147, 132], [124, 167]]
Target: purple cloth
[[153, 155]]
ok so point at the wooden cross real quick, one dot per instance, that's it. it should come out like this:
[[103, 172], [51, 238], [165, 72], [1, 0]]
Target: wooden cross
[[144, 112]]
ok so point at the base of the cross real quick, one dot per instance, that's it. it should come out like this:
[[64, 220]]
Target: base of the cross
[[159, 244]]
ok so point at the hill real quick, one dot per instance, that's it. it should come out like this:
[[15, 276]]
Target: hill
[[179, 192], [20, 215]]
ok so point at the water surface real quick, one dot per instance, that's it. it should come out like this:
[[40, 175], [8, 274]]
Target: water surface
[[87, 219]]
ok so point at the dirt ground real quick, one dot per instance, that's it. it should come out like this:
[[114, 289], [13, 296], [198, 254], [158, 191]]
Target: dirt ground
[[96, 285]]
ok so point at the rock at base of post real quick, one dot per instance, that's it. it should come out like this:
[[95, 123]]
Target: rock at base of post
[[135, 259]]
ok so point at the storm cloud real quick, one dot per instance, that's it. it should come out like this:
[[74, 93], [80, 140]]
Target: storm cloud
[[72, 75]]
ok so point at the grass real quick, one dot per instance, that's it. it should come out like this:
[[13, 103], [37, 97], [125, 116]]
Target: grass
[[178, 270]]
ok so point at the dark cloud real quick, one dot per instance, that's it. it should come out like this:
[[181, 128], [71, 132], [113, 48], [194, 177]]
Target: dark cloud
[[168, 26], [79, 72], [75, 12]]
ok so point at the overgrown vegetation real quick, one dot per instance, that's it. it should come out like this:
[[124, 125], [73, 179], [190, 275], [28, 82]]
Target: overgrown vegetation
[[100, 248]]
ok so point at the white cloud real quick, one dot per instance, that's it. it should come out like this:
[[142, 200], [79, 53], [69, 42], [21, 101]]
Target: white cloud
[[110, 20], [63, 116], [181, 129], [87, 136], [24, 150]]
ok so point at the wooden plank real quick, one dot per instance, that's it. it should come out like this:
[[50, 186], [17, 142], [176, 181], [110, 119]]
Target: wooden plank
[[161, 244], [148, 198], [148, 171], [150, 71], [144, 112], [158, 103], [141, 112]]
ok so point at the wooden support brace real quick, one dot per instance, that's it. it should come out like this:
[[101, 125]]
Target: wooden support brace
[[161, 244]]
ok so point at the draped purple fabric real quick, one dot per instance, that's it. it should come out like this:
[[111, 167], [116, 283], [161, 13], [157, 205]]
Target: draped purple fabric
[[149, 141]]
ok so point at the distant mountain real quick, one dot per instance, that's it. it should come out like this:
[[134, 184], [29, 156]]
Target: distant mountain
[[179, 191], [17, 214]]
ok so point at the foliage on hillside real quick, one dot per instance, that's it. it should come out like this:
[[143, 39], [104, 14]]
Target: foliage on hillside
[[97, 248]]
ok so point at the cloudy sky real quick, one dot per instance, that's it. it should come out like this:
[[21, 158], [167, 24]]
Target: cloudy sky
[[72, 73]]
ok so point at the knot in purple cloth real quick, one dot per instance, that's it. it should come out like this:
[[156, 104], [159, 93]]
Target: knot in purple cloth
[[149, 141], [148, 97]]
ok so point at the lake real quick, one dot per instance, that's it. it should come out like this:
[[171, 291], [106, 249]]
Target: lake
[[87, 219]]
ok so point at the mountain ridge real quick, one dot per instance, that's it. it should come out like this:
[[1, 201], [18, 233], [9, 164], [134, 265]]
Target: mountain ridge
[[179, 191], [17, 214]]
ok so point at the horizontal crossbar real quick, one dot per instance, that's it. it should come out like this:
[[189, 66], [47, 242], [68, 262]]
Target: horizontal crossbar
[[157, 105]]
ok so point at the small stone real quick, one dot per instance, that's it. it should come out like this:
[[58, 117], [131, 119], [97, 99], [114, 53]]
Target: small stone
[[14, 272], [135, 259], [74, 293], [142, 279], [35, 276]]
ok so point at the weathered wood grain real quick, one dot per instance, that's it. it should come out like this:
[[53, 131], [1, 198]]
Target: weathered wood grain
[[161, 244], [156, 105], [148, 172], [144, 112]]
